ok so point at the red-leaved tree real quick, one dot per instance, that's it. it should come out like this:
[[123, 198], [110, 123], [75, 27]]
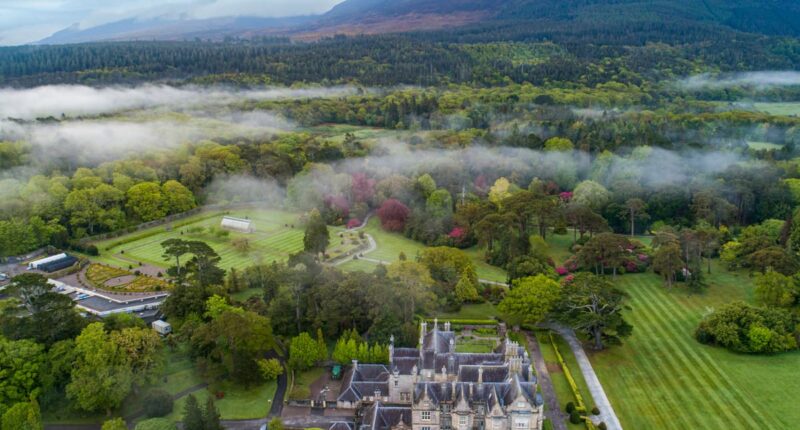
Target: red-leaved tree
[[363, 188], [393, 215]]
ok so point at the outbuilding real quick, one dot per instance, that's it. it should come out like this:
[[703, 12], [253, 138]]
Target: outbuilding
[[34, 265], [237, 224], [162, 327]]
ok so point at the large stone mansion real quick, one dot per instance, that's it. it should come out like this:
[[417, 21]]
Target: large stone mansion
[[433, 387]]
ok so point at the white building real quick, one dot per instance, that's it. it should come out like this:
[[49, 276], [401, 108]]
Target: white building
[[33, 265], [237, 224], [162, 327]]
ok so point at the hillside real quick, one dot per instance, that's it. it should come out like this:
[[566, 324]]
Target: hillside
[[527, 17]]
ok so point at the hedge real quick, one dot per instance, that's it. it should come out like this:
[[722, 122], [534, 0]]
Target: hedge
[[581, 407]]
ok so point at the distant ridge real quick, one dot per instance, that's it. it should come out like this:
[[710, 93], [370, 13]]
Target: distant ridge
[[769, 17]]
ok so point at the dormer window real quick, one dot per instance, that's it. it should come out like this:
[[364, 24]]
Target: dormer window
[[425, 415], [463, 420]]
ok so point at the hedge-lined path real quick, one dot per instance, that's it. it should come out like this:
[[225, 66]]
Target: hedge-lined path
[[553, 412], [607, 413]]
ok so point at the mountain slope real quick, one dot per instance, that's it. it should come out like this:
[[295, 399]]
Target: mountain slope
[[770, 17]]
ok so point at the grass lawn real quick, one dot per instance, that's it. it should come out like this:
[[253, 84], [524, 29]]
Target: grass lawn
[[662, 378], [480, 311], [303, 380], [757, 145], [779, 108], [237, 404], [242, 296], [475, 345], [390, 245], [272, 241]]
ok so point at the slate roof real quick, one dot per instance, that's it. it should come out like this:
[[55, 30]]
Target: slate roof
[[364, 381], [490, 393], [382, 417]]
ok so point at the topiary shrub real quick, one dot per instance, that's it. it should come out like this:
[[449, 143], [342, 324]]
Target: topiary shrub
[[602, 426], [570, 407], [158, 403], [92, 250], [575, 417], [595, 411]]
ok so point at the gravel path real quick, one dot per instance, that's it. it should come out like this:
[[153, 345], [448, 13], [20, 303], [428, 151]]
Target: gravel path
[[607, 413], [553, 412]]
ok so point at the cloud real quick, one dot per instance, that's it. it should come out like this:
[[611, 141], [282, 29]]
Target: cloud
[[761, 79], [76, 100], [243, 189], [101, 124]]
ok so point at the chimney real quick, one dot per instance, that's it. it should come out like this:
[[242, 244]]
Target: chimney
[[391, 349], [530, 373], [452, 345], [480, 374], [436, 323], [447, 326], [377, 395], [355, 364], [423, 328]]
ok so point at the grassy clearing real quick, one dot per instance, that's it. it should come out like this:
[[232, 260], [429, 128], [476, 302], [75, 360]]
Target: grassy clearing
[[390, 245], [277, 235], [758, 145], [787, 109], [662, 378]]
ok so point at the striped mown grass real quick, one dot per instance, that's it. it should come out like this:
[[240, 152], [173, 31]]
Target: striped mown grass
[[663, 378], [277, 235]]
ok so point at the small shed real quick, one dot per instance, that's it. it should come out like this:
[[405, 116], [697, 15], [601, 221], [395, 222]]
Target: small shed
[[162, 327], [237, 224]]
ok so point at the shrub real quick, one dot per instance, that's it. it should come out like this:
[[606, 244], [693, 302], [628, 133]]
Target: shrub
[[602, 426], [595, 411], [575, 417], [570, 407], [158, 403], [92, 250], [741, 327]]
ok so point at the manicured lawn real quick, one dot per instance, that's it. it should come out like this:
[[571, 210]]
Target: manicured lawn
[[277, 235], [662, 378], [475, 345]]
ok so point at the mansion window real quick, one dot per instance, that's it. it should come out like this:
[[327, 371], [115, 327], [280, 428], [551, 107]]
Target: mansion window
[[405, 397], [426, 428], [426, 415], [462, 421], [522, 424]]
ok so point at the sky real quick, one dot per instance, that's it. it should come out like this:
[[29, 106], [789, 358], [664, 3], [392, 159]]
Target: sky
[[25, 21]]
